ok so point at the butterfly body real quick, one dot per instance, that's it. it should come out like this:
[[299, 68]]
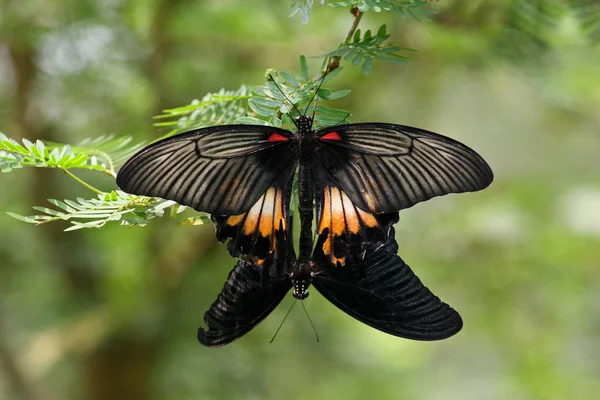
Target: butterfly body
[[301, 276]]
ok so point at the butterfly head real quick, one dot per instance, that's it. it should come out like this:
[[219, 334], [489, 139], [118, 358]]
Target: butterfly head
[[301, 279]]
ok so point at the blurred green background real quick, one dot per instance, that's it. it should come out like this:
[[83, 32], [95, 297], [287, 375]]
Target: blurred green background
[[113, 313]]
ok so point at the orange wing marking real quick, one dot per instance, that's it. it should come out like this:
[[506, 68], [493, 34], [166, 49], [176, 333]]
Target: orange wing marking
[[342, 217], [263, 219]]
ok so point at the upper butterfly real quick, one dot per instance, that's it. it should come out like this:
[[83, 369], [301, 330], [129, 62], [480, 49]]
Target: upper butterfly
[[242, 175]]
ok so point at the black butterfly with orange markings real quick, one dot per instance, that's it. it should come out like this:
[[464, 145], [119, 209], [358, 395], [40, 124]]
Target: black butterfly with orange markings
[[378, 289], [361, 175], [358, 173]]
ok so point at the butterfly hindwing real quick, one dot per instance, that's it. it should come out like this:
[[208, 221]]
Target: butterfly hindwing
[[221, 170], [250, 293], [254, 232], [386, 167], [381, 291], [349, 228]]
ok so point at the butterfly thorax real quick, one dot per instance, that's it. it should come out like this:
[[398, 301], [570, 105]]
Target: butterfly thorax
[[301, 279], [304, 124], [305, 136]]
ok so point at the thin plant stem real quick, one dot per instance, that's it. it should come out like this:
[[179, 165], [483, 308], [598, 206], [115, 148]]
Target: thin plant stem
[[334, 61], [87, 185]]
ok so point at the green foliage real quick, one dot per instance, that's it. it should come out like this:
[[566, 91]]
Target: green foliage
[[363, 50], [303, 8], [111, 313], [269, 104], [221, 108], [103, 154], [532, 28], [416, 9], [277, 101], [589, 15], [282, 98], [116, 206]]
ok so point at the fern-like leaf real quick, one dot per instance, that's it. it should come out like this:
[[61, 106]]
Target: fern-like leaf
[[363, 50], [221, 108], [103, 154], [302, 7], [286, 96], [415, 9], [116, 206]]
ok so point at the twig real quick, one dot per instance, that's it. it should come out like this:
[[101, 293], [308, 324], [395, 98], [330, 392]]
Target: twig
[[87, 185], [334, 62]]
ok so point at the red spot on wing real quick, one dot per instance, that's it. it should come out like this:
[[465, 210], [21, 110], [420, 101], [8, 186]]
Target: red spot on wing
[[331, 136], [276, 137]]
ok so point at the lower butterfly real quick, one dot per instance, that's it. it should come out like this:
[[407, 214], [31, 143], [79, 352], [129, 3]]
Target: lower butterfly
[[378, 289]]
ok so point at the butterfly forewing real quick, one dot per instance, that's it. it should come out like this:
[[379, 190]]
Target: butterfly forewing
[[241, 174], [383, 292], [254, 232], [221, 170], [386, 167]]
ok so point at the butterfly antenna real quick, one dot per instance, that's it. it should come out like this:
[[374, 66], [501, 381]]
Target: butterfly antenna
[[343, 119], [287, 98], [284, 318], [317, 101], [310, 320]]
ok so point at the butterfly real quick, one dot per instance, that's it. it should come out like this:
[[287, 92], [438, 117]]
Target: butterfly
[[378, 289], [354, 175]]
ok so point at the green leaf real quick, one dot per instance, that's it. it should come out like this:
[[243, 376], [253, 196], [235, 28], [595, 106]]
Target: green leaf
[[220, 108], [332, 74], [48, 211], [81, 225], [270, 90], [352, 52], [302, 7], [116, 206], [289, 79], [304, 67], [100, 154], [62, 205], [331, 112], [250, 121], [258, 105], [264, 101], [305, 15], [30, 220], [417, 9], [367, 65], [368, 49], [334, 95]]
